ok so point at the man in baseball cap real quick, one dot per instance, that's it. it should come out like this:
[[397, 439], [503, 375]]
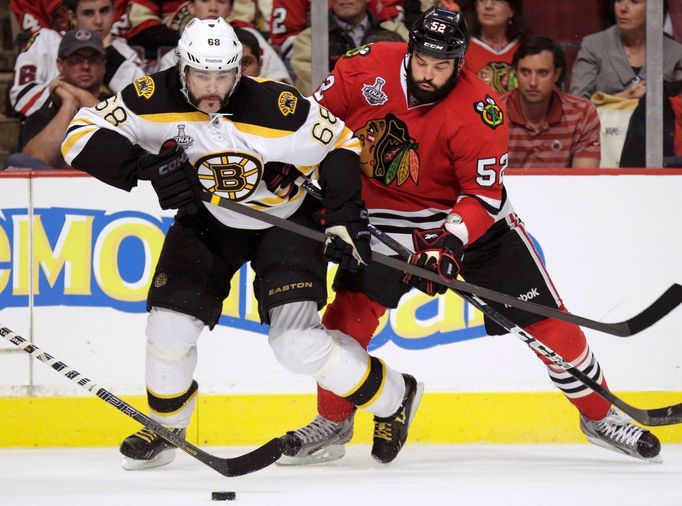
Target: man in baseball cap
[[79, 38], [81, 62]]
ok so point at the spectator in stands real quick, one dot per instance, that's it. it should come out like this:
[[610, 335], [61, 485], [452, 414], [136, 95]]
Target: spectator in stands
[[613, 61], [272, 66], [290, 17], [497, 29], [351, 25], [33, 15], [36, 67], [634, 149], [252, 59], [81, 63], [548, 127], [154, 24]]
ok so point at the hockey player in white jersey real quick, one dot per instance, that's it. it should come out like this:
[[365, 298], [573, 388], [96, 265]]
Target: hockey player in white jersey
[[214, 130], [36, 64]]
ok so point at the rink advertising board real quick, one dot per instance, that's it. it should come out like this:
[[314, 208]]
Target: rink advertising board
[[77, 258]]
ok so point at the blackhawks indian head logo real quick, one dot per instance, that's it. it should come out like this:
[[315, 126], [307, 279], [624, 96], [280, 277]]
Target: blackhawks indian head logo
[[388, 153], [490, 112], [499, 75]]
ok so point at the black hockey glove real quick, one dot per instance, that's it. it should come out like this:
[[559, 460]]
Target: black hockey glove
[[174, 179], [280, 178], [347, 241], [436, 250]]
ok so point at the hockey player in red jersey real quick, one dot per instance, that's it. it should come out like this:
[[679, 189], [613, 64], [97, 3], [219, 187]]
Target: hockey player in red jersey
[[434, 150]]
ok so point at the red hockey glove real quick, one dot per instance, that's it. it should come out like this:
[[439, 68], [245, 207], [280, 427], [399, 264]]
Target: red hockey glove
[[436, 250], [173, 177], [347, 242]]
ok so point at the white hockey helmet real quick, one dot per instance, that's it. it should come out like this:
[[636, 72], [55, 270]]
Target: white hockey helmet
[[209, 44]]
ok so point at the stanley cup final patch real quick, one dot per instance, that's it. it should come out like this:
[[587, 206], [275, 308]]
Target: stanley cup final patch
[[491, 113], [373, 93]]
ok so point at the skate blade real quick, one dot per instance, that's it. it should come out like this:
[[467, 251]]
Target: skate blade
[[415, 403], [598, 442], [327, 454], [162, 459]]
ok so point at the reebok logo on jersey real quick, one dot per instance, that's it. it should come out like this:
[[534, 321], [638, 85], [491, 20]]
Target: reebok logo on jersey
[[373, 94], [529, 295], [291, 286], [428, 237]]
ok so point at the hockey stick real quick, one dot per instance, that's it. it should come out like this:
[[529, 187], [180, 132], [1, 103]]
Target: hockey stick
[[250, 462], [659, 416], [668, 301], [669, 415]]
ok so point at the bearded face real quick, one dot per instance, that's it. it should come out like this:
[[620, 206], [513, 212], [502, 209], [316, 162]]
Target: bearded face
[[429, 79]]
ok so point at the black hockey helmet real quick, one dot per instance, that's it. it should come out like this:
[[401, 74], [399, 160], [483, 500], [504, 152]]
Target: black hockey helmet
[[440, 33]]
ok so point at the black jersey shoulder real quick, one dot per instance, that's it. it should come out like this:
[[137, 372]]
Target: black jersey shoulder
[[269, 104], [156, 94]]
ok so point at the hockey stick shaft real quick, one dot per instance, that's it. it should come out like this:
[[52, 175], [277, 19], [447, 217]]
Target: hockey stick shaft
[[652, 417], [253, 461], [670, 299], [668, 415]]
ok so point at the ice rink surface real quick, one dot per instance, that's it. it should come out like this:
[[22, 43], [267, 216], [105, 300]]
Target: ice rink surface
[[463, 475]]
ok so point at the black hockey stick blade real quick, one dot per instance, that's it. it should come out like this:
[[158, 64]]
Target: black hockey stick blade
[[661, 307], [668, 301], [253, 461]]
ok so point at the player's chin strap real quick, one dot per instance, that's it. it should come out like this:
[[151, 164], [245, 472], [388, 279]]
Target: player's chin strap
[[662, 416], [255, 460], [668, 301]]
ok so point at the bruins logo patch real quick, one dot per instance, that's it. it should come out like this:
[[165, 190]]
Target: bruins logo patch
[[144, 86], [388, 153], [287, 103], [491, 113], [160, 280], [231, 174]]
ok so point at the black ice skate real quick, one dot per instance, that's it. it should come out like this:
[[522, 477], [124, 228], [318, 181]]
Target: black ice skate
[[320, 441], [615, 433], [146, 449], [390, 433]]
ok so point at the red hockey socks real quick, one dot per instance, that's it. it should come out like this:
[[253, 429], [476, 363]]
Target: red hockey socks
[[568, 340], [357, 315]]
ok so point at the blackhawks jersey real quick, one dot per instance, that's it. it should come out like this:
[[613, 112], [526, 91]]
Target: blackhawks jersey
[[419, 163], [264, 121], [491, 65], [36, 68]]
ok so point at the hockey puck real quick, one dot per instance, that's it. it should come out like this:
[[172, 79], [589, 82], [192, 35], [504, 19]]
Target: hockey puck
[[223, 496]]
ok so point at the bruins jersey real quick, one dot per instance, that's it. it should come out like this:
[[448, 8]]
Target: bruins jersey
[[264, 121]]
